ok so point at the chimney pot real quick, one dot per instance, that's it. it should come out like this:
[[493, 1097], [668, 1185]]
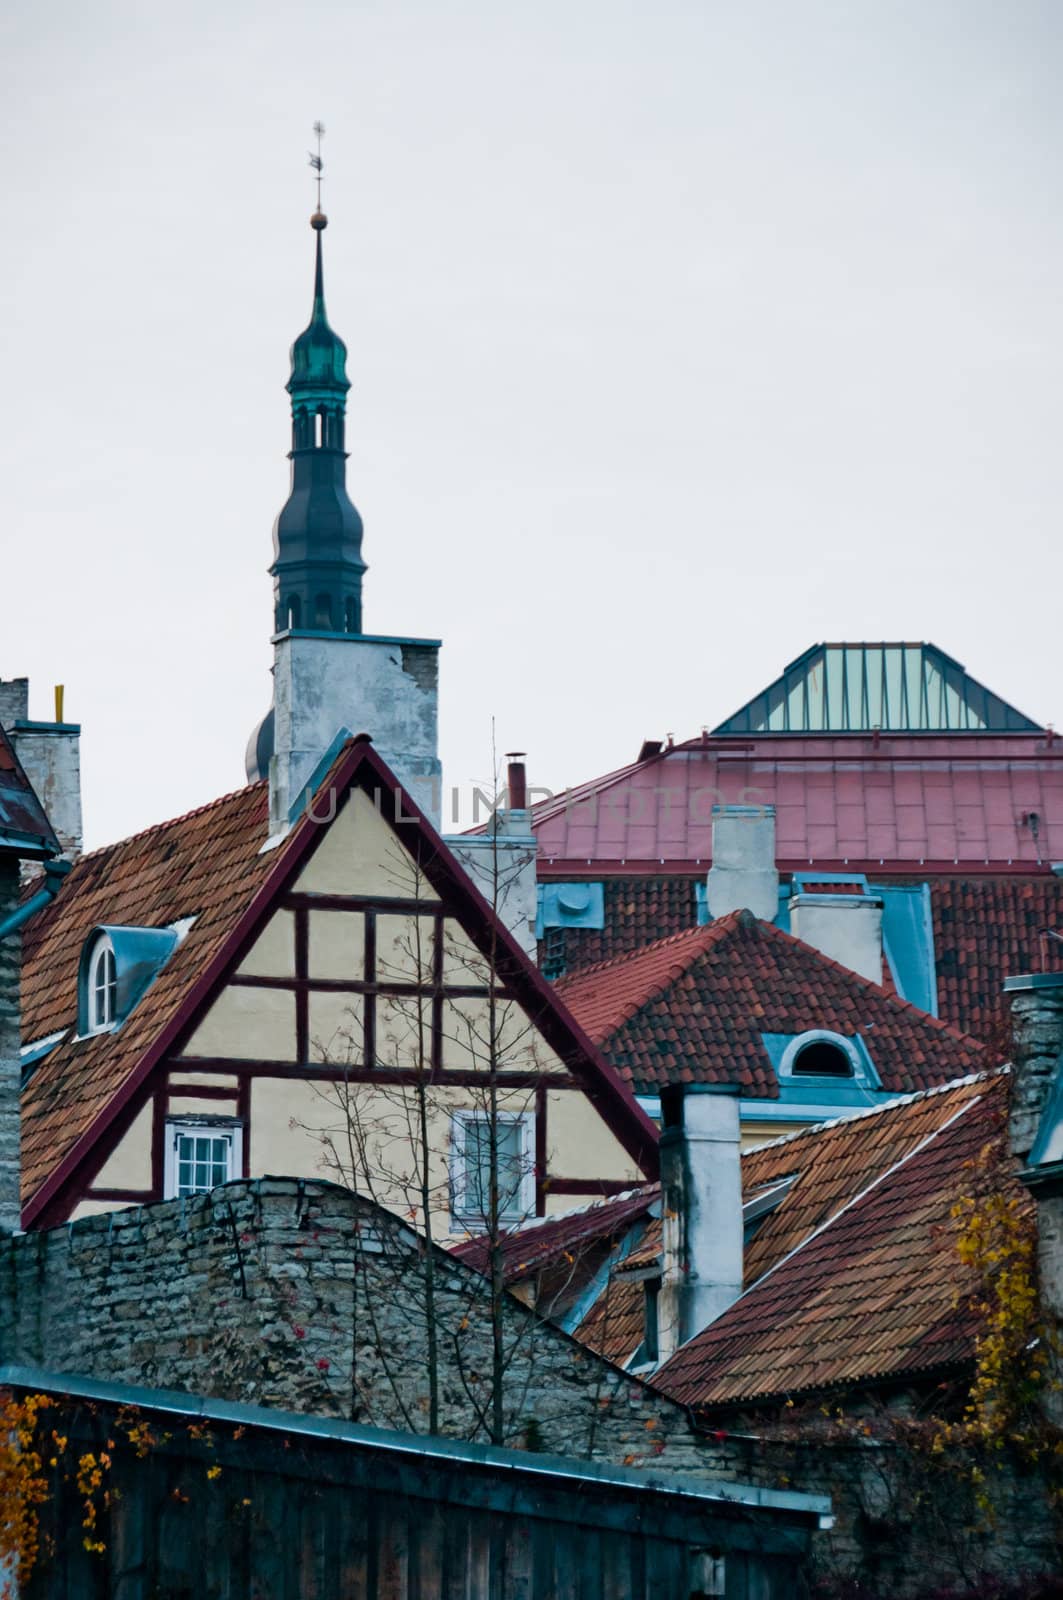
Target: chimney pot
[[516, 781]]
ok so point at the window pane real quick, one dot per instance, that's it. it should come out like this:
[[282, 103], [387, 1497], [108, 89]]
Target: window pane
[[203, 1161], [476, 1155]]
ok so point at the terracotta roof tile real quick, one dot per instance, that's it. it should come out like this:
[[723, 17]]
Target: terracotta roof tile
[[856, 1278], [985, 929], [527, 1249], [692, 1009], [204, 865]]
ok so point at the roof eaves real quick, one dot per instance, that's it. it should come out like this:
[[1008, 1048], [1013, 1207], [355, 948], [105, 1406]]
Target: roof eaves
[[880, 1108]]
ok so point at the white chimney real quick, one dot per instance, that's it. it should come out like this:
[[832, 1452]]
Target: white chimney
[[701, 1209], [326, 683], [743, 876], [846, 927]]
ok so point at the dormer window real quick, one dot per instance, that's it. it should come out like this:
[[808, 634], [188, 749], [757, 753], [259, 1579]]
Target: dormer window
[[822, 1054], [117, 965], [102, 987], [822, 1058]]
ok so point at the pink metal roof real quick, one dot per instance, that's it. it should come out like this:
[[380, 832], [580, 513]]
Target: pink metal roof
[[895, 801]]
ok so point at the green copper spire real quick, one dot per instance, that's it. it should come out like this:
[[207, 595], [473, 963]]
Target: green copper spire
[[317, 538], [319, 356]]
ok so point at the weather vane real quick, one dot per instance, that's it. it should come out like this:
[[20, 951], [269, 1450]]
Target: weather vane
[[315, 159]]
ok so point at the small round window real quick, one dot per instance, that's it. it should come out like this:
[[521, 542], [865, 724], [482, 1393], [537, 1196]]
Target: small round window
[[822, 1058]]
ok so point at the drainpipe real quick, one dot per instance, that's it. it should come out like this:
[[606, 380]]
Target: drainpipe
[[54, 873], [10, 1027]]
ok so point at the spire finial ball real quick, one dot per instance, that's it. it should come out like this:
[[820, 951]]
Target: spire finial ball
[[318, 221]]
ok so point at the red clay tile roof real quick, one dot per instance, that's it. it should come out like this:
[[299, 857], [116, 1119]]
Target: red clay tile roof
[[542, 1242], [206, 865], [692, 1009], [860, 1281], [841, 802], [985, 929], [210, 865], [24, 827]]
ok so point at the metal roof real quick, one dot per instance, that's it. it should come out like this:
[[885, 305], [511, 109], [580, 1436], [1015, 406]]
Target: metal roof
[[519, 1463], [24, 828], [858, 688]]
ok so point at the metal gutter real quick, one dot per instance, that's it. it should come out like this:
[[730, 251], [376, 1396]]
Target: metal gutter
[[521, 1463], [54, 873]]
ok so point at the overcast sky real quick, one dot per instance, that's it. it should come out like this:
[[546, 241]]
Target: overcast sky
[[681, 337]]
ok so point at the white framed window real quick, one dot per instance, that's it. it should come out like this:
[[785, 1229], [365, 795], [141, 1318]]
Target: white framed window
[[470, 1166], [200, 1154], [102, 991], [822, 1054]]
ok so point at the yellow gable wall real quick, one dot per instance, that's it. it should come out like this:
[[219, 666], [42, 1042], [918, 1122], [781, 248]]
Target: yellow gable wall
[[581, 1143], [317, 1130], [247, 1024], [359, 855], [129, 1164], [273, 953]]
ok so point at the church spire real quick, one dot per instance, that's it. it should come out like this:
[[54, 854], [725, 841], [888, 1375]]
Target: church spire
[[317, 539]]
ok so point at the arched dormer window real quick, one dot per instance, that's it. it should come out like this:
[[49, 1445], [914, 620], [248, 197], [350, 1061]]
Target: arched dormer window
[[821, 1053], [323, 611], [118, 964], [822, 1058], [350, 615], [102, 982]]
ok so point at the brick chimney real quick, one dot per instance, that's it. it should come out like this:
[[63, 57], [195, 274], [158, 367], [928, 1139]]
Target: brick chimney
[[743, 875], [701, 1209]]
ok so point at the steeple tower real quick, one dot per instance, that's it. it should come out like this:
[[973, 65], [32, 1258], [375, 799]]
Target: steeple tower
[[329, 678], [317, 539]]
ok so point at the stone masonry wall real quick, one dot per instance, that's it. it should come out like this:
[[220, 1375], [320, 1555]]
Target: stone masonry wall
[[914, 1523], [10, 1067], [300, 1295], [1037, 1037]]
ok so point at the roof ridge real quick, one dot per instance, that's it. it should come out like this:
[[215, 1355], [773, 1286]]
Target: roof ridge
[[701, 939], [877, 1110], [709, 931], [171, 822], [544, 809]]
